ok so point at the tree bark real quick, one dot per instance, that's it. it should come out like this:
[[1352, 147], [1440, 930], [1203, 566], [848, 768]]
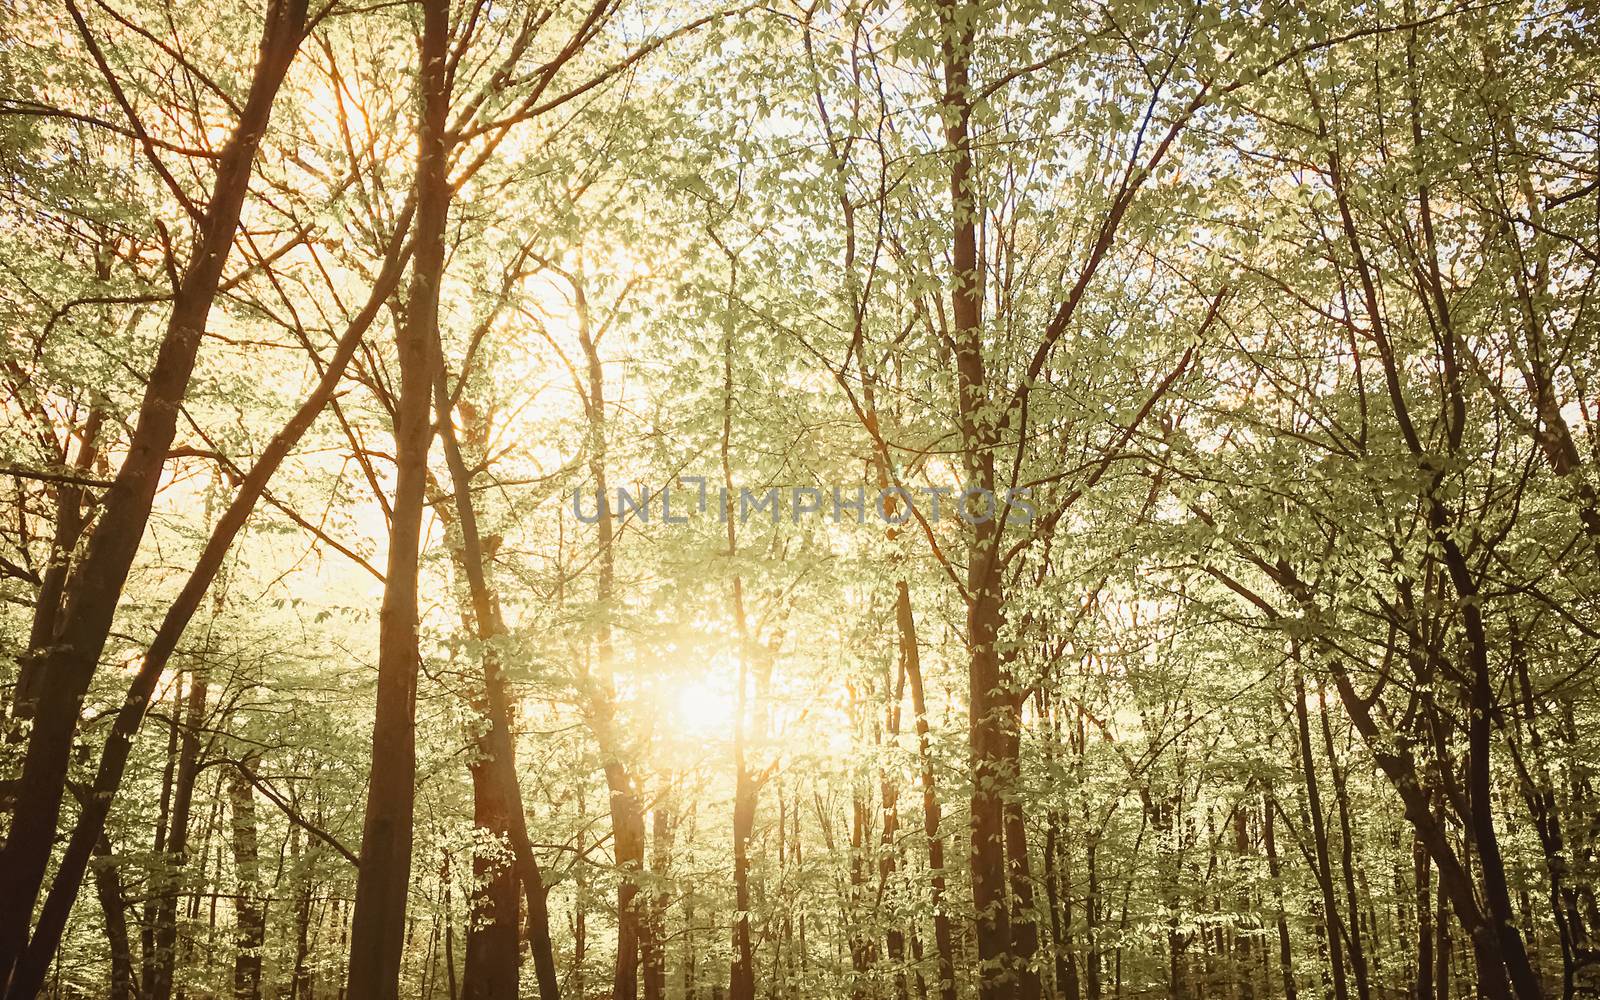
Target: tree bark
[[1330, 907], [250, 932], [165, 933], [94, 590], [911, 657], [377, 927], [1269, 842], [69, 528], [114, 908]]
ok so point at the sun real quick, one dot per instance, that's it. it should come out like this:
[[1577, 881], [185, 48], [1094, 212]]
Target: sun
[[702, 708]]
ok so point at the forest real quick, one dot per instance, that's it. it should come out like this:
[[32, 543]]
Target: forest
[[799, 499]]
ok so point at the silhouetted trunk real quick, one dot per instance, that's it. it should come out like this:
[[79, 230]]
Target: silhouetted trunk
[[114, 909], [377, 928], [47, 608], [130, 715], [1421, 870], [1058, 893], [93, 592]]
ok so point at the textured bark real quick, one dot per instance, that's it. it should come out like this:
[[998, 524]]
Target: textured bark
[[377, 928], [94, 589]]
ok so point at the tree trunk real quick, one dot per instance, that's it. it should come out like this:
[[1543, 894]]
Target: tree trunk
[[911, 657], [93, 592], [377, 927], [1330, 908], [1352, 927], [653, 944], [249, 907], [1269, 842], [988, 703], [47, 608], [165, 932], [114, 908], [1424, 903]]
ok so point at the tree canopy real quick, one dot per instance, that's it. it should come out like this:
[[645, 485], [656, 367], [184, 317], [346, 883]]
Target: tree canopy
[[915, 500]]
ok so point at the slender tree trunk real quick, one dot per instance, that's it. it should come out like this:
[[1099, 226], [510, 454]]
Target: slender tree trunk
[[493, 961], [1352, 927], [627, 816], [1330, 907], [742, 970], [165, 932], [1269, 842], [1424, 902], [911, 657], [1441, 950], [114, 908], [889, 796], [1058, 891], [989, 704], [93, 592], [302, 985], [377, 927], [653, 943], [249, 907]]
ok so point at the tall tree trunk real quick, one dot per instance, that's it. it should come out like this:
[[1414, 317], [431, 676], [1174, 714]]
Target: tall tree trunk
[[114, 909], [93, 592], [653, 945], [742, 970], [627, 816], [889, 796], [911, 658], [377, 927], [165, 932], [249, 907], [493, 961], [1424, 902], [989, 704], [47, 608], [1269, 842], [1319, 833], [1352, 927]]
